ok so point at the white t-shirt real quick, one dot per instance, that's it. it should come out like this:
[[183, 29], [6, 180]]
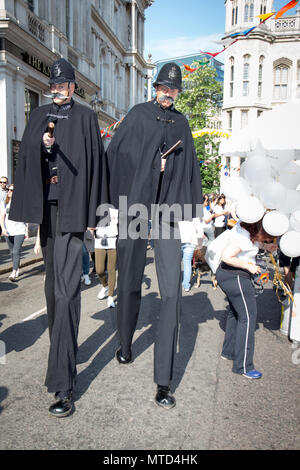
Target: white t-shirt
[[13, 228], [109, 233], [207, 215], [219, 221], [240, 238]]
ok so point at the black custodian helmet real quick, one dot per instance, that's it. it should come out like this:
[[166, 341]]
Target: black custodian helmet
[[170, 76], [61, 71]]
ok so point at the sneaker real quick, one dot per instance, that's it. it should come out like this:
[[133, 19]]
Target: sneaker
[[186, 290], [103, 293], [110, 302], [86, 279], [12, 277], [253, 374]]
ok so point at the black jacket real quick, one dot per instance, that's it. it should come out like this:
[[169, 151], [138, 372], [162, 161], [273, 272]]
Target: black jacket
[[134, 159], [81, 169]]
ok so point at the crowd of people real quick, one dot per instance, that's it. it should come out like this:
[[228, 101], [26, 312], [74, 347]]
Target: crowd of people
[[64, 176]]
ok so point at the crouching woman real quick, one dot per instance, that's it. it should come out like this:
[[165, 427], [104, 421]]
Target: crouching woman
[[238, 265]]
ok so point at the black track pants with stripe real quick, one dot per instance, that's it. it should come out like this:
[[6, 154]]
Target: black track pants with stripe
[[240, 327]]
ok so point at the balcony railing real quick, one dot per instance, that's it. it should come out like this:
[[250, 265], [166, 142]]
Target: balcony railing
[[36, 27], [288, 24]]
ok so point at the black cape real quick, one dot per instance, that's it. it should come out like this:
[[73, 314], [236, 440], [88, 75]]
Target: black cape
[[134, 159], [81, 170]]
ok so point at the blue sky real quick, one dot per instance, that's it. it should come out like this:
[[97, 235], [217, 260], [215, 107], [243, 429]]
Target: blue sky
[[178, 27]]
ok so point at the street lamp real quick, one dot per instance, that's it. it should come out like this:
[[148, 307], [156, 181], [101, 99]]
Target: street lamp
[[96, 102]]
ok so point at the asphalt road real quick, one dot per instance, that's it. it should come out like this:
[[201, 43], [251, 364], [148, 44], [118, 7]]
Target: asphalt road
[[114, 407]]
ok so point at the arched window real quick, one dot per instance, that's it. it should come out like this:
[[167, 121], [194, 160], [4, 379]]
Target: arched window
[[246, 13], [251, 12], [260, 76], [234, 16], [231, 81], [246, 74], [263, 7], [281, 70]]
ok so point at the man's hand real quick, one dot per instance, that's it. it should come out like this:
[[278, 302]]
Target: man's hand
[[163, 164], [48, 140]]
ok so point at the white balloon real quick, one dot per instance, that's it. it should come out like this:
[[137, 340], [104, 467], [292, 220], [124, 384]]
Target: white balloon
[[290, 175], [290, 203], [275, 223], [257, 169], [272, 194], [280, 158], [250, 210], [290, 244], [295, 221], [235, 188]]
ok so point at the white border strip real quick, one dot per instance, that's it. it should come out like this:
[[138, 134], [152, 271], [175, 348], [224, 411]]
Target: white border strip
[[35, 314], [246, 342]]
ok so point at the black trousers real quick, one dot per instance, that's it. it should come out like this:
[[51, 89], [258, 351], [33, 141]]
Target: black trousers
[[240, 327], [62, 254], [131, 255]]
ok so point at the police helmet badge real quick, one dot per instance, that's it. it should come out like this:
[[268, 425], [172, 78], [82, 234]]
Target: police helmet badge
[[56, 70], [173, 73]]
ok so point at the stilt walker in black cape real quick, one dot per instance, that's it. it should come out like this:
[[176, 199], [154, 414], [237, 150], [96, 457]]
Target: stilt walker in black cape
[[60, 182], [138, 171]]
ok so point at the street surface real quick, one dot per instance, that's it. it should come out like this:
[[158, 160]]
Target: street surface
[[114, 407]]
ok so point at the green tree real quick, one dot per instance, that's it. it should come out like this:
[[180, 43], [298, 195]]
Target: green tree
[[200, 101]]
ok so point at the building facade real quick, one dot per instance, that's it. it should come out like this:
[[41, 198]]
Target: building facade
[[262, 70], [104, 41]]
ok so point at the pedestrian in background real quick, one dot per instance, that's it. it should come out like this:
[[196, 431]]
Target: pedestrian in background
[[3, 194], [14, 233], [220, 213], [106, 258]]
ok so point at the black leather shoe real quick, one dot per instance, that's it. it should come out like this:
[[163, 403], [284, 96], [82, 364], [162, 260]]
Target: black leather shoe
[[164, 398], [121, 359], [63, 407]]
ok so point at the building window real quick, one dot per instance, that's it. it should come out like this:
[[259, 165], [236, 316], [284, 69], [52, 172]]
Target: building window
[[227, 163], [229, 115], [30, 4], [31, 102], [260, 76], [246, 70], [116, 19], [244, 118], [231, 82], [234, 17], [298, 81], [281, 75], [251, 12], [248, 12], [263, 7]]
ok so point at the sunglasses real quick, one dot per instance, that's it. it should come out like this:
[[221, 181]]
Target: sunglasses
[[3, 182], [9, 189]]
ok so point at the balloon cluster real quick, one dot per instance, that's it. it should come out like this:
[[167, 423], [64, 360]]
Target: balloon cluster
[[267, 188]]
